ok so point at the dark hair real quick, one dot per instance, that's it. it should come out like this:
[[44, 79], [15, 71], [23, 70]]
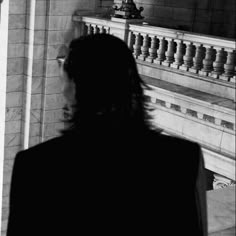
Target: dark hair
[[109, 90]]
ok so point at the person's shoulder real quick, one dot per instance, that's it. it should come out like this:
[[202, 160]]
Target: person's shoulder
[[47, 148], [165, 139]]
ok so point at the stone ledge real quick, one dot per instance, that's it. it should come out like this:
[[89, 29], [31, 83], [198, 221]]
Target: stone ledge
[[216, 87]]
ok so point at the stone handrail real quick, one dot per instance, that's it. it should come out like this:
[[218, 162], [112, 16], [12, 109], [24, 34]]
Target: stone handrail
[[199, 54]]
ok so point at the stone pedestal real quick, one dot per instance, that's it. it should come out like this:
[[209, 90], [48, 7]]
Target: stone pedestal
[[121, 30]]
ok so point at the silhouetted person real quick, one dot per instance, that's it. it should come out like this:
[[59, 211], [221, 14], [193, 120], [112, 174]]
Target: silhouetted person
[[110, 172]]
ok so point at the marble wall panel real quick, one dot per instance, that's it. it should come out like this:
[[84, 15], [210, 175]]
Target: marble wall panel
[[15, 66], [41, 7], [17, 21], [35, 129], [37, 84], [10, 152], [15, 83], [35, 115], [34, 141], [59, 22], [54, 101], [53, 129], [53, 85], [12, 140], [36, 101], [16, 36], [12, 127], [13, 113], [16, 50], [14, 99], [52, 116], [17, 6], [52, 69]]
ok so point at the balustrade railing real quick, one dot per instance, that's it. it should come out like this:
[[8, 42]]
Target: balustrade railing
[[202, 55], [198, 54]]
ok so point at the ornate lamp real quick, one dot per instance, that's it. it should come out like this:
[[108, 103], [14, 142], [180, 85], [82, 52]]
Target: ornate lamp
[[127, 10]]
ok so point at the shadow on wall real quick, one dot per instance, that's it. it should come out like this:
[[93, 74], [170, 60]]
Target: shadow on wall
[[214, 17]]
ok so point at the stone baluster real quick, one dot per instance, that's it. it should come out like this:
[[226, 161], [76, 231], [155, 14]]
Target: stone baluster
[[233, 79], [197, 59], [152, 50], [144, 47], [218, 64], [96, 29], [137, 45], [169, 53], [90, 29], [178, 55], [207, 62], [101, 29], [188, 57], [229, 66], [161, 51]]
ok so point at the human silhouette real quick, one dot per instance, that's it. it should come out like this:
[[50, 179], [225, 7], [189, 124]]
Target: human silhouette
[[110, 172]]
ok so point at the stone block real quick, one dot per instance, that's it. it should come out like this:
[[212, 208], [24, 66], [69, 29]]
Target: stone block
[[12, 127], [17, 21], [17, 7], [53, 129], [34, 141], [52, 51], [10, 152], [15, 66], [35, 129], [37, 84], [16, 50], [60, 37], [41, 8], [39, 36], [35, 51], [54, 101], [4, 227], [35, 68], [203, 133], [164, 119], [40, 22], [52, 69], [58, 8], [36, 101], [60, 23], [14, 99], [7, 177], [5, 213], [164, 12], [182, 14], [12, 140], [15, 83], [53, 85], [13, 113], [8, 165], [16, 36], [5, 202], [52, 116], [228, 143], [35, 115]]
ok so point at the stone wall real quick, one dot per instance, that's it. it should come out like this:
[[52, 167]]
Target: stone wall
[[37, 30], [214, 17]]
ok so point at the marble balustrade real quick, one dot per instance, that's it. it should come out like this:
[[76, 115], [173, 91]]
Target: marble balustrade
[[203, 57], [193, 84]]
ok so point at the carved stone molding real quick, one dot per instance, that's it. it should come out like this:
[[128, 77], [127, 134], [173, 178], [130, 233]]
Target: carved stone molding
[[222, 182]]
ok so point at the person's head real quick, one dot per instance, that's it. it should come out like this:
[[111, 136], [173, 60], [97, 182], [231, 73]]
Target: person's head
[[103, 84]]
